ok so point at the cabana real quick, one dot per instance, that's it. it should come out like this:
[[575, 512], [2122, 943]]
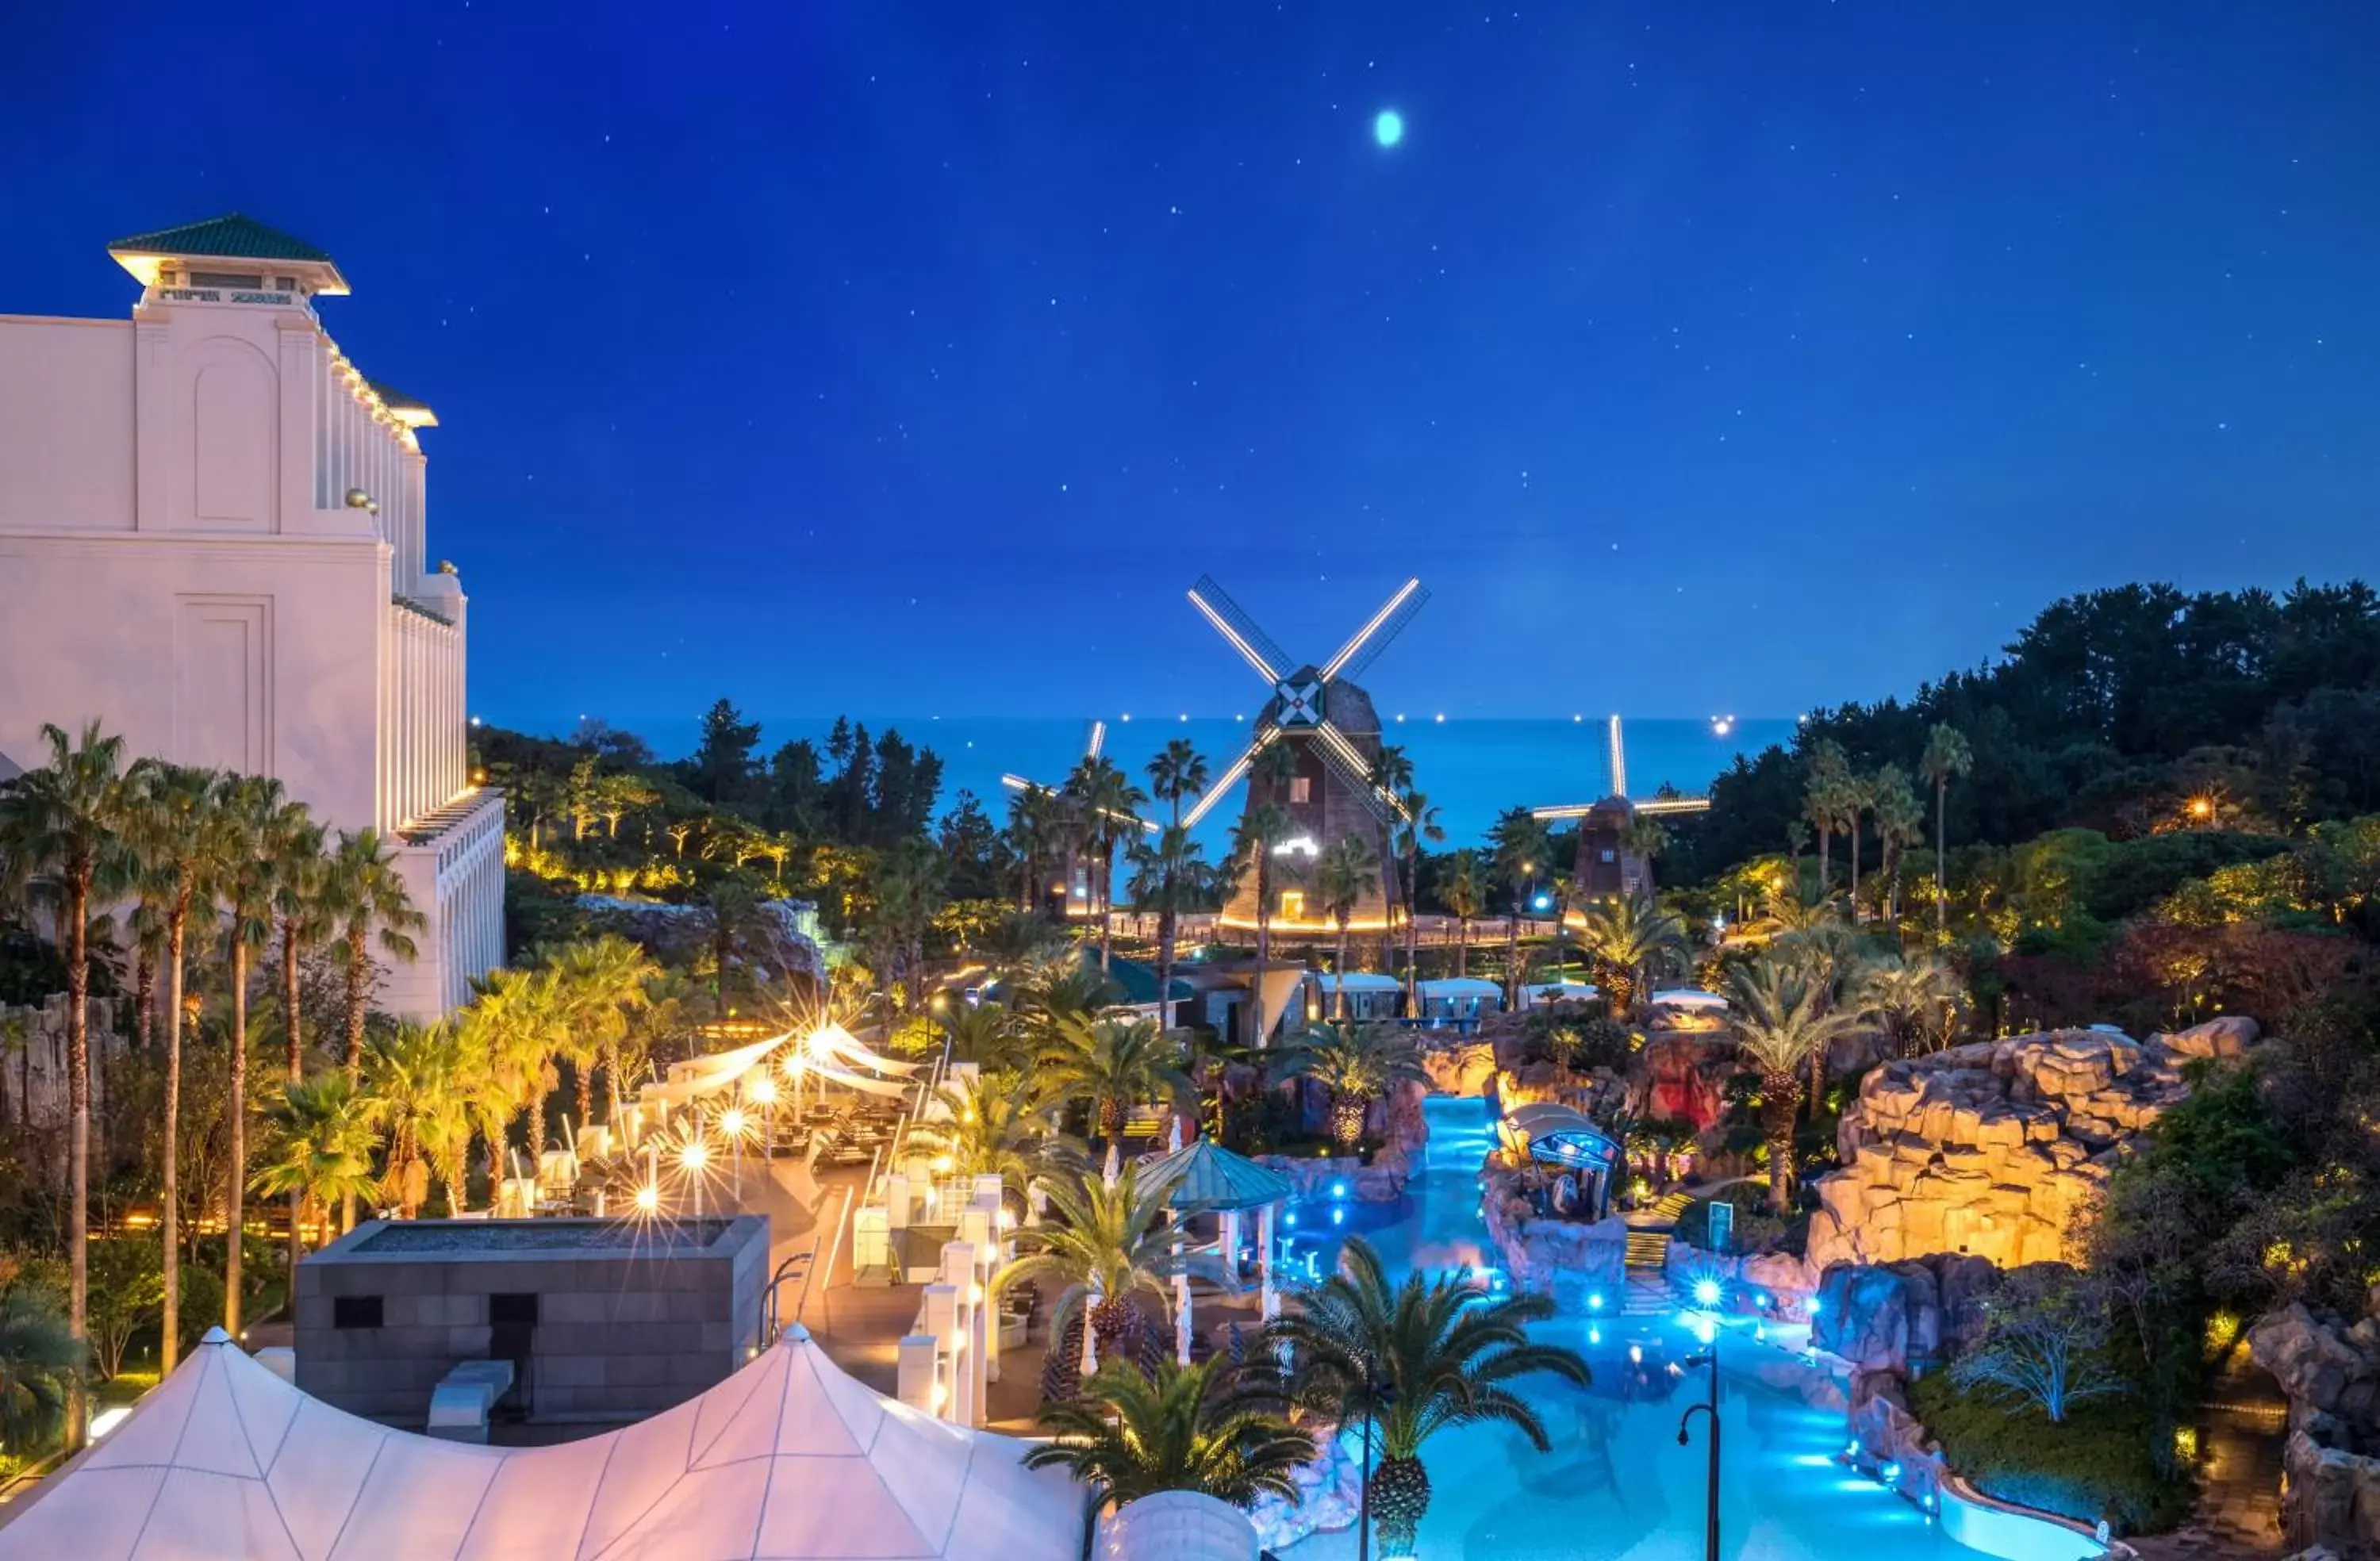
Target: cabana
[[1539, 994], [1205, 1178], [788, 1459], [1370, 996], [1458, 1000], [1560, 1139]]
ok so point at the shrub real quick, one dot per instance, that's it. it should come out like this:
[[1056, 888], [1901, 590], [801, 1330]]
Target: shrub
[[2099, 1462]]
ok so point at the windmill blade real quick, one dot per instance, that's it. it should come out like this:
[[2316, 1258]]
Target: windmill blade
[[1561, 811], [1018, 784], [1345, 758], [1655, 807], [1098, 740], [1619, 760], [1231, 622], [1374, 637], [1225, 781]]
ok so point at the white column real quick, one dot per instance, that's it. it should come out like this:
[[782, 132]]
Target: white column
[[914, 1384], [1269, 1298]]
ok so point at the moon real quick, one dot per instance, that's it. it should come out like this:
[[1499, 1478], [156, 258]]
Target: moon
[[1387, 126]]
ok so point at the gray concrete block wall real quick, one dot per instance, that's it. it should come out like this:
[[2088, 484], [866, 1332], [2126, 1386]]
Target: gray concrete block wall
[[621, 1333]]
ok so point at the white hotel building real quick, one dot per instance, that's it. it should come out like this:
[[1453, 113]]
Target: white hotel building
[[212, 541]]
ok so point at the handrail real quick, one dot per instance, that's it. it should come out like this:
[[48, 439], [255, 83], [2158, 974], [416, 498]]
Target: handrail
[[841, 1221]]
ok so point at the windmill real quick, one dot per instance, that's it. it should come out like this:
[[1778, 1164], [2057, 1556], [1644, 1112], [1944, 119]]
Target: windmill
[[1329, 722], [1607, 862], [1076, 889]]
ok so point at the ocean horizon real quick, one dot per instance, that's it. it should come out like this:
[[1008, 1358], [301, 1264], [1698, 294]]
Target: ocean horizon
[[1471, 770]]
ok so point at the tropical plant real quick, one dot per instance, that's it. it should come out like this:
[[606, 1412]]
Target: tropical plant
[[1035, 829], [42, 1362], [514, 1024], [60, 830], [1783, 1018], [1108, 1240], [128, 1287], [1170, 876], [1628, 939], [1415, 1358], [295, 866], [254, 812], [2044, 1344], [1355, 1064], [1344, 874], [597, 984], [997, 1123], [1521, 848], [1419, 824], [1257, 840], [1899, 821], [1111, 1066], [320, 1145], [420, 1080], [984, 1033], [1464, 890], [1823, 800], [1947, 755], [1916, 998], [1109, 806], [1855, 797], [366, 901], [174, 829], [1131, 1435]]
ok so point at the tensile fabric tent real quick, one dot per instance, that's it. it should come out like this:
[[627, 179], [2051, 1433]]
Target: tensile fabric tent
[[789, 1459]]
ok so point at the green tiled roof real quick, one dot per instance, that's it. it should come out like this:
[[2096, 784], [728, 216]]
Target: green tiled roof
[[1138, 980], [1204, 1175], [232, 236], [396, 400]]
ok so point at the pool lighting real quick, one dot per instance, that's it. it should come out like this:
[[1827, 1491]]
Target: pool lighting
[[1850, 1450], [1338, 1217], [1595, 1336], [1706, 1292], [1706, 1330], [1815, 1306], [1635, 1354], [1595, 1300], [1290, 1218], [1890, 1474], [1338, 1189]]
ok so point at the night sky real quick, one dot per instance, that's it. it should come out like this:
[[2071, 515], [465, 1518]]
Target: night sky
[[907, 358]]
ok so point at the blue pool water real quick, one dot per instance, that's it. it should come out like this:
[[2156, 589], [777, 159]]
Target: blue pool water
[[1616, 1486]]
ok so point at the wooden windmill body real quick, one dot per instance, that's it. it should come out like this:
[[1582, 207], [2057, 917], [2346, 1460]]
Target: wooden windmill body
[[1607, 864], [1331, 726]]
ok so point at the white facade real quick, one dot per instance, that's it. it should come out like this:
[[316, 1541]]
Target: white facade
[[213, 541]]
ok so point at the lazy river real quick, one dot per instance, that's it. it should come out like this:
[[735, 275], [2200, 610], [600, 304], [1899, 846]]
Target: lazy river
[[1616, 1486]]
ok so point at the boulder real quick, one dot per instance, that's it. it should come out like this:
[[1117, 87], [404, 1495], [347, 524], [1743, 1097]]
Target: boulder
[[1901, 1317], [2229, 1035], [2319, 1367], [1462, 1070]]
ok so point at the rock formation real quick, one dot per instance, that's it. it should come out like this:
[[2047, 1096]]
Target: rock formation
[[1568, 1260], [2331, 1374], [1997, 1148], [1901, 1317]]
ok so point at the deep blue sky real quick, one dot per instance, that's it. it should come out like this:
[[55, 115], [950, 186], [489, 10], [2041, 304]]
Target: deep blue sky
[[904, 358]]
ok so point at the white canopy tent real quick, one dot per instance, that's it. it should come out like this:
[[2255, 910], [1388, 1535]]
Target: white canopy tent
[[789, 1459]]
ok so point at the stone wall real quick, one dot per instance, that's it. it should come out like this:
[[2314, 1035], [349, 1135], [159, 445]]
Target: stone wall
[[781, 944], [1904, 1317], [1568, 1260], [1997, 1148], [33, 1073], [2331, 1374]]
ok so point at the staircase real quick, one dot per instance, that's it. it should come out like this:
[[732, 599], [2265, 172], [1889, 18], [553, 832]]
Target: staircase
[[1648, 1250]]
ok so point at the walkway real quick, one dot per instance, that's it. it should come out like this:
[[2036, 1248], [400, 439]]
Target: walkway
[[2240, 1429]]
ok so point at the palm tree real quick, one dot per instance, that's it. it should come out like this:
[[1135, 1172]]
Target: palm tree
[[1947, 755], [62, 824], [1418, 1358], [1111, 1066], [417, 1091], [905, 890], [599, 982], [42, 1364], [1109, 805], [1465, 891], [1521, 846], [1256, 840], [1420, 823], [1033, 825], [984, 1033], [1130, 1435], [363, 893], [997, 1123], [1781, 1015], [1822, 800], [173, 829], [321, 1149], [1342, 874], [1170, 876], [514, 1024], [1110, 1240], [1627, 938], [1899, 819], [1355, 1064], [733, 901], [1914, 997], [299, 916], [253, 811]]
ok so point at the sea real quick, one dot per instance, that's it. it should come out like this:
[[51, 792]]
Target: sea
[[1470, 769]]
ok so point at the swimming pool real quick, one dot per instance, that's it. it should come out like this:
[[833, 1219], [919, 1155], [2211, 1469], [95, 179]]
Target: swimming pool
[[1616, 1486]]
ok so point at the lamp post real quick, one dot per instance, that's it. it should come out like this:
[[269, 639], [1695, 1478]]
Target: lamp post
[[1710, 1407]]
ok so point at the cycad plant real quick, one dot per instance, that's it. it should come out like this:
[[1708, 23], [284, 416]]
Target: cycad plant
[[1355, 1064], [41, 1365], [997, 1123], [1415, 1358], [1112, 1066], [1627, 939], [1130, 1435], [1106, 1242]]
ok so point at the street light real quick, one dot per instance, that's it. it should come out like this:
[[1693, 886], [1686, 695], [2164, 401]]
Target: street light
[[1709, 1407]]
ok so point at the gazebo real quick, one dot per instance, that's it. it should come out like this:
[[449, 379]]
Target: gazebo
[[1556, 1136], [1205, 1178]]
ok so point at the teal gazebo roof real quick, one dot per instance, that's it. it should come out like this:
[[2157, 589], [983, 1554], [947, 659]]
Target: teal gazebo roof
[[1205, 1174]]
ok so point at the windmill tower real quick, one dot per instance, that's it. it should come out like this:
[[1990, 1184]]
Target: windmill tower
[[1608, 864], [1331, 725], [1074, 890]]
